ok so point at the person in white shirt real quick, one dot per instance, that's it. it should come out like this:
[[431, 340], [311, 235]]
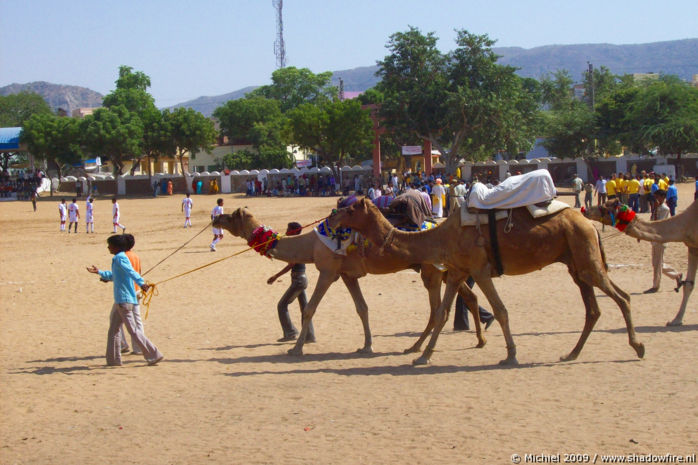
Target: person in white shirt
[[217, 232], [73, 215], [116, 215], [187, 204], [62, 213], [89, 215], [438, 192]]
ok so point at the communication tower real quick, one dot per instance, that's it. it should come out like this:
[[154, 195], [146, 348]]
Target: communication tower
[[279, 47]]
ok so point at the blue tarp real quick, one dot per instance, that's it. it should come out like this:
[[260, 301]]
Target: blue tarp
[[9, 138]]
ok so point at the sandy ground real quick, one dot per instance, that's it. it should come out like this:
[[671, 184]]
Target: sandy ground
[[228, 393]]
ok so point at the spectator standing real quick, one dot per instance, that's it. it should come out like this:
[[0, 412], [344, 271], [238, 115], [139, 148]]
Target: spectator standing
[[63, 213], [577, 185], [600, 190], [187, 204], [611, 187], [588, 194], [632, 188], [89, 215], [672, 197], [73, 215], [439, 195]]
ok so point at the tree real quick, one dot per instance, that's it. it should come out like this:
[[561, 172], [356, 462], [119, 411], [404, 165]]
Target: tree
[[114, 132], [237, 118], [332, 130], [191, 132], [569, 132], [292, 87], [17, 108], [665, 115], [53, 138], [157, 137], [131, 93], [463, 102], [556, 91]]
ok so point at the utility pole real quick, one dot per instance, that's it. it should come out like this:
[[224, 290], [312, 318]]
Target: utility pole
[[591, 85]]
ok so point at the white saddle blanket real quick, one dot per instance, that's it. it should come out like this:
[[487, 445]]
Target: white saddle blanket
[[515, 191], [471, 219]]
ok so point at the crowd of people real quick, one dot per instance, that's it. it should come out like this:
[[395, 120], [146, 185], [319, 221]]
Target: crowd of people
[[638, 192], [22, 186]]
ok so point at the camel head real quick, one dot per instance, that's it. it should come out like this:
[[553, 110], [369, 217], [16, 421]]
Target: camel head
[[602, 213], [237, 223], [355, 216]]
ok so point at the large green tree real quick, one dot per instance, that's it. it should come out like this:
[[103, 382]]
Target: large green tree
[[463, 102], [293, 86], [333, 130], [15, 109], [115, 132], [53, 138], [191, 132]]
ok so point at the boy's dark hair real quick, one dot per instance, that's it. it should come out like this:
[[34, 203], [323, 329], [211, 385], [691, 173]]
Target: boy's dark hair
[[119, 242], [130, 241], [660, 192], [219, 201], [294, 228]]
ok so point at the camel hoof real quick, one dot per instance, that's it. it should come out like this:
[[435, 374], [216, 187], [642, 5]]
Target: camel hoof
[[640, 350], [568, 358], [411, 350], [420, 361], [364, 350], [481, 344], [509, 362], [295, 351], [675, 323]]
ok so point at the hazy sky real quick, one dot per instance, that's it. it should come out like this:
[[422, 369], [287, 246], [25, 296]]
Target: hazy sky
[[210, 47]]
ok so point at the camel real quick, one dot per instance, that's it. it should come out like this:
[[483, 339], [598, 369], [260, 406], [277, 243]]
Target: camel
[[531, 244], [680, 228], [307, 248]]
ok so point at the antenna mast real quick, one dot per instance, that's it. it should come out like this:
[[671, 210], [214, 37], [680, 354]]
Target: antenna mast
[[279, 47]]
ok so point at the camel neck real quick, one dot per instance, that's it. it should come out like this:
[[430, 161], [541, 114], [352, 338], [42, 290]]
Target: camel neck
[[412, 247], [679, 228]]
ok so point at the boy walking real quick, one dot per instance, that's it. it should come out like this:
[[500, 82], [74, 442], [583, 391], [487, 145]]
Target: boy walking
[[217, 232], [661, 212], [116, 215], [123, 275]]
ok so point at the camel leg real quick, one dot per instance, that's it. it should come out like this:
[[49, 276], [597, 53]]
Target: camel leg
[[324, 282], [592, 315], [362, 309], [687, 287], [470, 300], [440, 317], [484, 281], [431, 278]]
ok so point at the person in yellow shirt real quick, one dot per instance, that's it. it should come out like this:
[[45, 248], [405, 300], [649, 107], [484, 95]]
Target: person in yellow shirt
[[663, 182], [621, 186], [611, 187], [633, 189]]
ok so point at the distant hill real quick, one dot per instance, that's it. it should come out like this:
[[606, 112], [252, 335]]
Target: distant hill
[[678, 57], [58, 96]]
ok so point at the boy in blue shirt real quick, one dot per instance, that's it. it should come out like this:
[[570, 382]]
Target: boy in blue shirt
[[123, 275]]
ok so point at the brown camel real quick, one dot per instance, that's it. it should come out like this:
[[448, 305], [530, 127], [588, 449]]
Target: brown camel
[[531, 244], [307, 248], [680, 228]]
